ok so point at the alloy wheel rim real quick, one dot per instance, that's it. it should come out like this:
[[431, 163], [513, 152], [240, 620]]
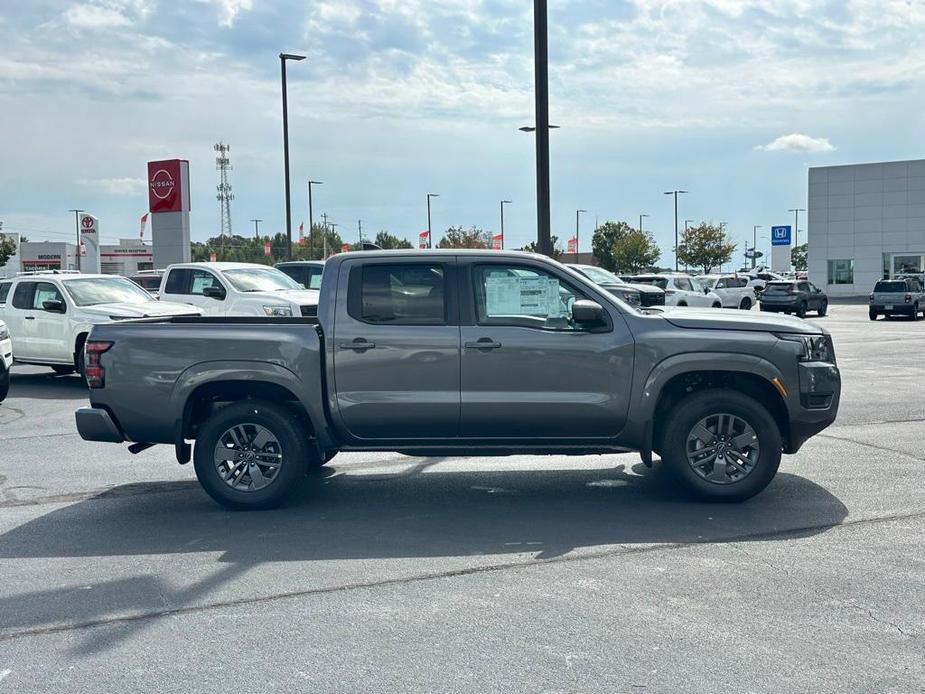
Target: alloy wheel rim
[[248, 457], [722, 448]]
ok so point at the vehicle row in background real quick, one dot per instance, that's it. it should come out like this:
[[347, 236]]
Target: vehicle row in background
[[734, 291], [305, 272], [642, 295], [794, 296], [679, 290], [49, 314], [897, 297]]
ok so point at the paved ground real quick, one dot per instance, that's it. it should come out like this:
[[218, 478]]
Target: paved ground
[[523, 574]]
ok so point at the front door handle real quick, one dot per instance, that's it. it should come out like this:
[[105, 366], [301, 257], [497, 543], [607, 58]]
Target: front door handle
[[483, 343], [358, 344], [29, 317]]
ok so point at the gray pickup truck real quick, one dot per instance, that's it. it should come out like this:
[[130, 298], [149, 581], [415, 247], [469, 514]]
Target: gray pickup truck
[[446, 352], [897, 297]]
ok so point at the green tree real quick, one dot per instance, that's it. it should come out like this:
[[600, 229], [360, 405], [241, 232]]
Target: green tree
[[635, 252], [798, 257], [705, 246], [556, 248], [386, 240], [603, 240], [7, 249], [457, 237]]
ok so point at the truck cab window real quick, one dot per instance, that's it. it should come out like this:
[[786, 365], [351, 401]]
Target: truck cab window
[[412, 294], [524, 297]]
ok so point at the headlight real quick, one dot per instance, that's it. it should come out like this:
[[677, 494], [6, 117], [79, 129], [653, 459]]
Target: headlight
[[278, 311], [4, 334], [813, 347], [632, 298]]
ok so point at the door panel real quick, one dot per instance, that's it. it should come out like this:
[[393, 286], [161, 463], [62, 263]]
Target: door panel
[[396, 350], [21, 322], [50, 342], [555, 380]]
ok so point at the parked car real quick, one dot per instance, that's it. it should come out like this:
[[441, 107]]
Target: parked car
[[794, 296], [898, 297], [733, 290], [149, 280], [680, 290], [642, 295], [6, 360], [49, 314], [238, 289], [305, 272], [453, 352]]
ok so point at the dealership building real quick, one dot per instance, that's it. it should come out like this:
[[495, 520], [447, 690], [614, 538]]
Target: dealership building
[[866, 222], [125, 258]]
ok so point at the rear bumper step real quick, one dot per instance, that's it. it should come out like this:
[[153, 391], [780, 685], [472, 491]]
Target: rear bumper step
[[95, 424]]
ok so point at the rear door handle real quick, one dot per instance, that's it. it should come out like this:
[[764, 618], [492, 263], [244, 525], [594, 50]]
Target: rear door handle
[[483, 343], [29, 317], [358, 344]]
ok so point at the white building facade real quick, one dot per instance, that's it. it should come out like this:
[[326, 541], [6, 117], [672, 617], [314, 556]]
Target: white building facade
[[865, 222]]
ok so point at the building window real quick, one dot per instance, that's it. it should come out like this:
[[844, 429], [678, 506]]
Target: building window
[[841, 272]]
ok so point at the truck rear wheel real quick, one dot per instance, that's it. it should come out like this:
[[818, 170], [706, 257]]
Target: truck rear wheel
[[250, 455], [722, 445]]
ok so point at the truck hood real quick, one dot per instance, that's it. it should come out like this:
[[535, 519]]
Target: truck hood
[[645, 288], [147, 310], [719, 319]]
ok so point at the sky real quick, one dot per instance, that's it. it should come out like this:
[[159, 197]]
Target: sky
[[731, 100]]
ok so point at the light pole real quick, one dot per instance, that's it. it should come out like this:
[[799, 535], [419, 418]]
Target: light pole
[[796, 224], [77, 229], [283, 57], [256, 227], [360, 232], [503, 203], [755, 229], [675, 193], [311, 218], [578, 214], [541, 68], [640, 221], [430, 233]]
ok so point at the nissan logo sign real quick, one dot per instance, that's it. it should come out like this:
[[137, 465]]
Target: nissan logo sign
[[162, 184]]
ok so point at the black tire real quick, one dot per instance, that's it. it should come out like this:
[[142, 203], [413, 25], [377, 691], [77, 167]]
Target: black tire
[[915, 311], [872, 315], [717, 305], [283, 424], [823, 308], [746, 304], [801, 310], [63, 370], [687, 413], [682, 303], [4, 383]]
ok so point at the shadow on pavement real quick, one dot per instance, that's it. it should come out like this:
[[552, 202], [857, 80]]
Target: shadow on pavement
[[46, 385], [410, 514]]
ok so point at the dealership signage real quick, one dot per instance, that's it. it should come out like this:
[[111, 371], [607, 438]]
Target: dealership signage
[[780, 236], [168, 185], [89, 243]]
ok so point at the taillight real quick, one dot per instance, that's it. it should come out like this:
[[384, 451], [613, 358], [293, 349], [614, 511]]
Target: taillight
[[908, 298], [93, 370], [871, 298]]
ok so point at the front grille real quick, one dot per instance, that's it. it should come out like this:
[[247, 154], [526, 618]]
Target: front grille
[[309, 311], [652, 299]]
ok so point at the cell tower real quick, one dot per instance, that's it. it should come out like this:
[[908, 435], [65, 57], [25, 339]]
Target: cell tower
[[225, 196]]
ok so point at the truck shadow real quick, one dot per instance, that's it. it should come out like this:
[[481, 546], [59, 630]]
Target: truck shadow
[[46, 385], [424, 512]]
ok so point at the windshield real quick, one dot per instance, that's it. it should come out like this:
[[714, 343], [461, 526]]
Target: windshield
[[705, 282], [106, 290], [599, 275], [659, 282], [260, 280]]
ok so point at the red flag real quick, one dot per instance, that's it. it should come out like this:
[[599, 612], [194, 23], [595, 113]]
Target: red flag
[[344, 247], [267, 248], [302, 234], [497, 242], [573, 245], [144, 220], [212, 257], [424, 239]]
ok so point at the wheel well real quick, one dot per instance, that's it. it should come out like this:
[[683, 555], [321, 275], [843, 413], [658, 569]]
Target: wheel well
[[682, 385], [210, 397], [78, 346]]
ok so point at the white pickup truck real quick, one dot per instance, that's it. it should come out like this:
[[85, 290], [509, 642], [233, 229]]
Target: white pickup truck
[[238, 289], [49, 314]]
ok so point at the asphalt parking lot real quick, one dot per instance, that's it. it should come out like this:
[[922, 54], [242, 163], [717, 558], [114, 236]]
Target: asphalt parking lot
[[523, 574]]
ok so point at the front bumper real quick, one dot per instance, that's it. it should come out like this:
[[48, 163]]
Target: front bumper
[[96, 424], [6, 354], [819, 397]]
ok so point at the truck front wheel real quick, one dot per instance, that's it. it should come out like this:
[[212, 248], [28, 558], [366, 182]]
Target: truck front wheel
[[250, 455], [722, 445]]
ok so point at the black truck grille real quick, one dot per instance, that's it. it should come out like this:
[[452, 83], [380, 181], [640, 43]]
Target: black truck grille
[[653, 299], [310, 311]]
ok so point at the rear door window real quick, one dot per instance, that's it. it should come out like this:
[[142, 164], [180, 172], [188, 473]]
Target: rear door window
[[4, 291], [683, 284], [22, 297], [399, 294]]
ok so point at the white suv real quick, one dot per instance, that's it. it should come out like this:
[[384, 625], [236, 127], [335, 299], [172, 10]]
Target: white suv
[[733, 291], [238, 289], [49, 314], [680, 290]]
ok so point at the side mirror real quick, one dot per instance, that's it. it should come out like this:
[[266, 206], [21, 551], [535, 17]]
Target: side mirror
[[54, 306], [214, 293], [584, 311], [706, 290]]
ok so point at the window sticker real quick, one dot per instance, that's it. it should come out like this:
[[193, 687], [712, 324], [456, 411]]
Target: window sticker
[[523, 296]]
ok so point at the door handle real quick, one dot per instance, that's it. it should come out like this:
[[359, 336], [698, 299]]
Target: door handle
[[359, 344], [483, 343], [29, 317]]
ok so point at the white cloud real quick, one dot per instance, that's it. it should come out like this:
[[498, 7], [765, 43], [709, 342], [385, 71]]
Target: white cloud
[[116, 186], [95, 17], [797, 142], [230, 9]]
